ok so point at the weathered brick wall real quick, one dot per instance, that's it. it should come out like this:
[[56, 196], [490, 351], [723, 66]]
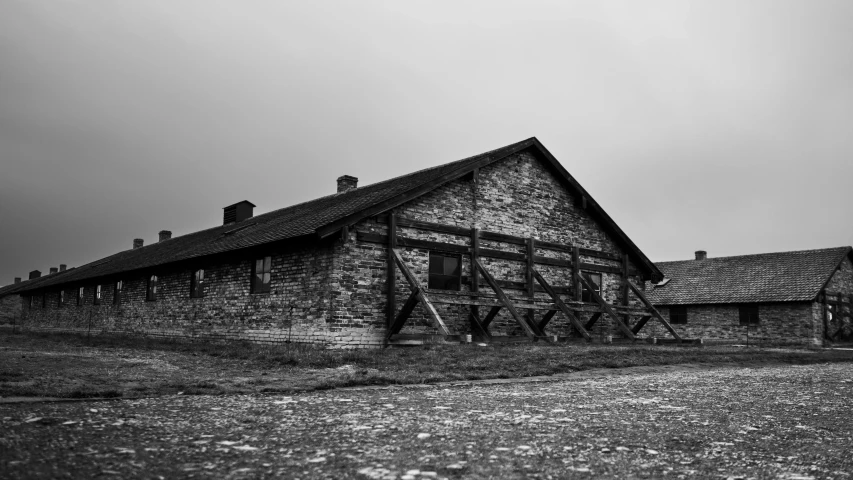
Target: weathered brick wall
[[10, 309], [840, 282], [516, 196], [779, 324]]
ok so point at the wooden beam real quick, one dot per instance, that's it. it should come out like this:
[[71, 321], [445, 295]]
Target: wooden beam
[[404, 314], [491, 315], [607, 309], [576, 285], [594, 318], [392, 269], [623, 289], [530, 250], [416, 287], [478, 325], [475, 276], [547, 319], [640, 324], [525, 326], [653, 310], [562, 306]]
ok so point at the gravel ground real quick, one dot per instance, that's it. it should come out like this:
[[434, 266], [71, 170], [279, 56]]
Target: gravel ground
[[773, 422]]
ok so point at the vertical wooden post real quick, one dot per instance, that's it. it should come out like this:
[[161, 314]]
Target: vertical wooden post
[[475, 274], [392, 269], [576, 271], [624, 289], [528, 276]]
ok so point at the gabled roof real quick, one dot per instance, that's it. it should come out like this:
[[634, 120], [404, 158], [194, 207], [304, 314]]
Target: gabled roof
[[326, 216], [766, 277]]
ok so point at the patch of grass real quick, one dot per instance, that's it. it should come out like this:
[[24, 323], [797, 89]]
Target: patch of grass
[[66, 365]]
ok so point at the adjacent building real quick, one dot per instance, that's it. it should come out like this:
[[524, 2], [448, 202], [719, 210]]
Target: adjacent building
[[798, 298]]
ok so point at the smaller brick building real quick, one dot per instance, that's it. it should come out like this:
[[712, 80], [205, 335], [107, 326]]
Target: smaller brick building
[[795, 298]]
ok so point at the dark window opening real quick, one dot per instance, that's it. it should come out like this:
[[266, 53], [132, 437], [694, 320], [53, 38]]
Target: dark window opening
[[44, 300], [197, 284], [151, 291], [61, 301], [117, 292], [80, 296], [678, 314], [96, 300], [748, 314], [30, 302], [594, 279], [445, 271], [261, 270]]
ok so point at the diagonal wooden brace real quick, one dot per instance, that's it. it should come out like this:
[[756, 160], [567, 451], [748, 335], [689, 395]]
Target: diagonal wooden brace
[[642, 323], [525, 326], [417, 290], [561, 305], [478, 325], [653, 310], [404, 314], [594, 318], [606, 306], [491, 315], [546, 319]]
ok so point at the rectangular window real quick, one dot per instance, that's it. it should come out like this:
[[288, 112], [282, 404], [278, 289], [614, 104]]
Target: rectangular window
[[151, 290], [261, 275], [594, 279], [117, 292], [30, 302], [197, 284], [96, 299], [678, 314], [80, 296], [748, 314], [445, 271], [61, 300]]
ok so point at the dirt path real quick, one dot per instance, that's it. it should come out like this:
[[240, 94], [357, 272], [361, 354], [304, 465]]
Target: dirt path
[[783, 421]]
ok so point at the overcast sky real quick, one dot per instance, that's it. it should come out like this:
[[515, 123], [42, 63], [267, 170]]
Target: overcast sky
[[717, 125]]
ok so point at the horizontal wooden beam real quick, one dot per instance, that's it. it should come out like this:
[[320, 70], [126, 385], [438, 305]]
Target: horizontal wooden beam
[[484, 252], [495, 237]]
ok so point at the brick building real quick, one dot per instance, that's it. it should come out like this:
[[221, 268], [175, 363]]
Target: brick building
[[798, 298], [499, 246]]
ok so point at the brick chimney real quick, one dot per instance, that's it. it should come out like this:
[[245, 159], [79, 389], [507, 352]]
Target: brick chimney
[[165, 235], [701, 254], [35, 274], [62, 267], [53, 270], [17, 279], [238, 212], [138, 242], [347, 183]]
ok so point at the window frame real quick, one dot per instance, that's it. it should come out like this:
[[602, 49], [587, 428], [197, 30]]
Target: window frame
[[457, 277], [586, 297], [81, 291], [679, 318], [151, 284], [117, 289], [60, 302], [744, 312], [97, 295], [197, 283], [260, 288]]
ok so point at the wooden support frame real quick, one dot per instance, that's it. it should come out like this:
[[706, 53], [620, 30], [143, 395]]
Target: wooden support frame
[[591, 322], [392, 271], [419, 295], [528, 277], [525, 326], [546, 319], [653, 310], [640, 324], [606, 307], [493, 312], [475, 278], [562, 306]]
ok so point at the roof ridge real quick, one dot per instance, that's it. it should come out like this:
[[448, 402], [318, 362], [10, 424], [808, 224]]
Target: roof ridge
[[765, 254]]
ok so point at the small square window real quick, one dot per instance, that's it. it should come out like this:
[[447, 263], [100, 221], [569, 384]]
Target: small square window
[[197, 284], [151, 290], [678, 314], [117, 292], [445, 271], [594, 279], [261, 275], [80, 296], [748, 314], [96, 300]]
